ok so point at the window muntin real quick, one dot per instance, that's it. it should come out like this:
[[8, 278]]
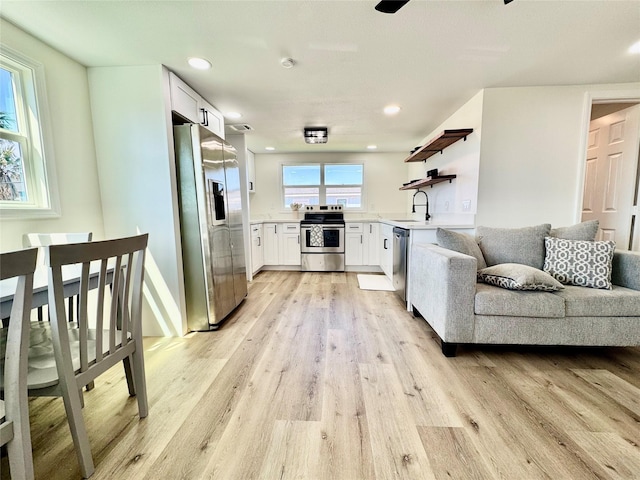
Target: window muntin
[[24, 182], [316, 184]]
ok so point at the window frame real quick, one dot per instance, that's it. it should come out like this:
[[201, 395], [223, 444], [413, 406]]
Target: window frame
[[32, 119], [322, 187]]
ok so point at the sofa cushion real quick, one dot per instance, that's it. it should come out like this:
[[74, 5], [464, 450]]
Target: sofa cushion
[[590, 302], [492, 300], [461, 243], [513, 245], [515, 276], [578, 262], [581, 231]]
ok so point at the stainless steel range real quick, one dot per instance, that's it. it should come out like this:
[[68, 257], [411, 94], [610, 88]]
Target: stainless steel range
[[322, 238]]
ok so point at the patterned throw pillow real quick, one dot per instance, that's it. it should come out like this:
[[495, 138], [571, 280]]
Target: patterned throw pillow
[[515, 276], [579, 262]]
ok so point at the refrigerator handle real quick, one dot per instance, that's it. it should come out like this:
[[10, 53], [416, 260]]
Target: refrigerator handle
[[205, 117]]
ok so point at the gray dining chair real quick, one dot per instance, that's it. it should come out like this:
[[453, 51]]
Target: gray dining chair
[[112, 273], [14, 339], [45, 239]]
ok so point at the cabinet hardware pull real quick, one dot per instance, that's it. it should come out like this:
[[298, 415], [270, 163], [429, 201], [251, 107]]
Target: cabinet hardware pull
[[384, 244], [205, 117], [250, 185], [361, 239], [259, 242]]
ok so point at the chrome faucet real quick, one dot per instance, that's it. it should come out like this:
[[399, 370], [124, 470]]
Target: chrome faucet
[[426, 205]]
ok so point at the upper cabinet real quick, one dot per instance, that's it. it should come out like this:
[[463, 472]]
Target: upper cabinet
[[188, 103], [438, 144]]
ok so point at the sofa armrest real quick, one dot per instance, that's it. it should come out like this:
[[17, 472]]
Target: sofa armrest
[[442, 287], [626, 269]]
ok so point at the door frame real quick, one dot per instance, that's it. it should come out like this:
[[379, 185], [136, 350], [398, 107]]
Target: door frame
[[591, 97]]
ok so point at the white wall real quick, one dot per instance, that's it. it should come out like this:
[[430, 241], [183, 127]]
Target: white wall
[[384, 174], [447, 200], [72, 137], [134, 143], [532, 153]]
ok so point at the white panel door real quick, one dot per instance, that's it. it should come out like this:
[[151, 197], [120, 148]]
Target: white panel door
[[611, 175]]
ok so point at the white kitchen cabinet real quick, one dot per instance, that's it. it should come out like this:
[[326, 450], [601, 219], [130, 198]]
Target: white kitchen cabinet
[[289, 239], [354, 251], [372, 242], [271, 249], [281, 244], [210, 118], [386, 250], [188, 103], [184, 99], [257, 248], [251, 171]]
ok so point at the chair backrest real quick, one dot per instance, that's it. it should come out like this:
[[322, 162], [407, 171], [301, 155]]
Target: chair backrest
[[46, 239], [118, 267], [14, 421]]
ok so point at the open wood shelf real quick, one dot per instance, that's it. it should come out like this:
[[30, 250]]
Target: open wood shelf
[[438, 144], [426, 182]]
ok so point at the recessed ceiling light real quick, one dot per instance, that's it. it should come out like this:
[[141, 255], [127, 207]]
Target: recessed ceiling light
[[199, 63], [635, 48], [391, 109], [372, 147], [271, 149], [233, 115]]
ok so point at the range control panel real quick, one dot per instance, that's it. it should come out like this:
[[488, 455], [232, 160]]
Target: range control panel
[[323, 208]]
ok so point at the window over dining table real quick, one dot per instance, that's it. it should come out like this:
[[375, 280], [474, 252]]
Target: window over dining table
[[26, 161]]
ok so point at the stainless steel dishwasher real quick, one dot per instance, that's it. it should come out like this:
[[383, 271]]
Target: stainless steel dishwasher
[[400, 246]]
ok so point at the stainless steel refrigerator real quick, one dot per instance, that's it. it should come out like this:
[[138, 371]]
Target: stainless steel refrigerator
[[211, 226]]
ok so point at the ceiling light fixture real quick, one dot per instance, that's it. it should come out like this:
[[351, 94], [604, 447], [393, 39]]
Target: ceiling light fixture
[[635, 48], [316, 134], [199, 63], [391, 109], [287, 62], [371, 147], [270, 149], [233, 115]]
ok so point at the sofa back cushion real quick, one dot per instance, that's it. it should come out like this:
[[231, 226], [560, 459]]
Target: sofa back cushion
[[461, 243], [513, 245], [582, 231]]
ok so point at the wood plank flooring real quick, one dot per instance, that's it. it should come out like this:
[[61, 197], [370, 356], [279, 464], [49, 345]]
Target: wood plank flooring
[[312, 378]]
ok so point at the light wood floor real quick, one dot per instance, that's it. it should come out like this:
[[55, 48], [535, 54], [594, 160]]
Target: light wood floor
[[313, 378]]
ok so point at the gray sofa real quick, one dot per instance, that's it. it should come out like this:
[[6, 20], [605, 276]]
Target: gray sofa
[[445, 291]]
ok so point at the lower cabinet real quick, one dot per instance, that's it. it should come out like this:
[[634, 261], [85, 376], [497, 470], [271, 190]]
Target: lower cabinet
[[257, 248], [282, 244], [362, 244]]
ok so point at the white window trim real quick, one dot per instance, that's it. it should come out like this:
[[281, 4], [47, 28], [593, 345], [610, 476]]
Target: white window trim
[[322, 186], [47, 201]]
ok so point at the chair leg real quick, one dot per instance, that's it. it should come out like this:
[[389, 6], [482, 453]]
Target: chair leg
[[128, 372], [140, 380], [73, 407], [90, 386]]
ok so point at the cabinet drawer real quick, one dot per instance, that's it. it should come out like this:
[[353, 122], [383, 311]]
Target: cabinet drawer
[[290, 227], [354, 228]]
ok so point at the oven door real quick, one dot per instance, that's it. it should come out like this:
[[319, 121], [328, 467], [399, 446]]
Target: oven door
[[322, 238]]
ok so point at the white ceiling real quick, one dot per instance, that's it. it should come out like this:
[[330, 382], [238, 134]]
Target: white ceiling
[[351, 61]]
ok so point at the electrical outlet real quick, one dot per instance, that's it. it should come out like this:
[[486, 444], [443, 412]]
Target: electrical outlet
[[466, 205]]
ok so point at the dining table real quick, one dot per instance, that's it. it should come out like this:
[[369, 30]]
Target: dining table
[[71, 286]]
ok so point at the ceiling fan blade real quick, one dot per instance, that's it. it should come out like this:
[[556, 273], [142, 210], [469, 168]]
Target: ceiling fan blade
[[391, 6]]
